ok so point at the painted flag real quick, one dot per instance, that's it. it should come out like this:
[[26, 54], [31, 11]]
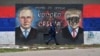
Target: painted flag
[[7, 24], [91, 23]]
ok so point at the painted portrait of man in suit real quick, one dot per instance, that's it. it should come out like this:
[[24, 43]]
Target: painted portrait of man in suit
[[73, 33], [25, 33]]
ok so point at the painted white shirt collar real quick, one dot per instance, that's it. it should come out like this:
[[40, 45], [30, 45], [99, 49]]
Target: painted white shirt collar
[[24, 29], [71, 30]]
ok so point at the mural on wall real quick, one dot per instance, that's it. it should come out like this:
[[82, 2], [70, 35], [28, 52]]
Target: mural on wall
[[45, 17], [29, 24]]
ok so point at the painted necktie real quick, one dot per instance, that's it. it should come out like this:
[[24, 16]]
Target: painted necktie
[[25, 33], [74, 31]]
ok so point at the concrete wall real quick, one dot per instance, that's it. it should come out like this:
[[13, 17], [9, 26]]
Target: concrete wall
[[13, 2]]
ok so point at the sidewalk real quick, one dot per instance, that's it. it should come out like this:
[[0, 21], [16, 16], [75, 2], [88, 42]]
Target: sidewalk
[[67, 52]]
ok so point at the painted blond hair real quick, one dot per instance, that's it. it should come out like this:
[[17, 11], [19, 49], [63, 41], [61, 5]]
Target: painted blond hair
[[72, 11]]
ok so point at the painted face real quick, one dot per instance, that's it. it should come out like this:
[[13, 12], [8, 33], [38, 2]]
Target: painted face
[[25, 18], [73, 21]]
